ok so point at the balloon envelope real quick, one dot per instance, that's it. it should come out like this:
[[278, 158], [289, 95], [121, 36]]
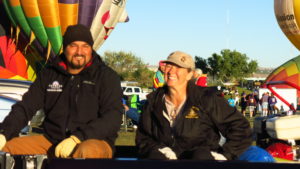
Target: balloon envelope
[[288, 72], [288, 17], [47, 20], [13, 64]]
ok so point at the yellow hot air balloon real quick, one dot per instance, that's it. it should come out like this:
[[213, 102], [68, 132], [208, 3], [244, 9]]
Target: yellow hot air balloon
[[287, 13]]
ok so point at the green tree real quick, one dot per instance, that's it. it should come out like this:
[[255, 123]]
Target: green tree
[[202, 64], [129, 67], [214, 63], [231, 65]]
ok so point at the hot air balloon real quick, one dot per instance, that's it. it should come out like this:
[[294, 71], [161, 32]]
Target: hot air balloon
[[13, 64], [18, 60], [285, 76], [47, 20], [287, 13]]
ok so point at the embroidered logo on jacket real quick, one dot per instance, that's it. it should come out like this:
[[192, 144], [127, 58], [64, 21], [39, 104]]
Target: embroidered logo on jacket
[[192, 113], [55, 87]]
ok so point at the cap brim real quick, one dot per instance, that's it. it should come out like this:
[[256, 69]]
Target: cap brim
[[173, 62]]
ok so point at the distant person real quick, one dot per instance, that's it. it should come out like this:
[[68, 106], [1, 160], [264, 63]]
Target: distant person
[[236, 98], [244, 103], [265, 103], [132, 113], [231, 101], [272, 104], [134, 101], [184, 121], [251, 102], [81, 98], [132, 108], [200, 78], [158, 78], [256, 98], [291, 110]]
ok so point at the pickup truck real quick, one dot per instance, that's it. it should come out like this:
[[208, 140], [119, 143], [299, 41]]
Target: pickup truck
[[130, 90]]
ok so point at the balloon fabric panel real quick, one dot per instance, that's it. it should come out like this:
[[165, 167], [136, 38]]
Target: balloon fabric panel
[[17, 11], [109, 18], [9, 13], [6, 74], [87, 11], [34, 19], [276, 71], [50, 17], [292, 69], [280, 76], [68, 13], [97, 25]]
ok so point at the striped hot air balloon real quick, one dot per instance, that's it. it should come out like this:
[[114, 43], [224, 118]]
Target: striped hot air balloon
[[288, 72], [47, 20], [285, 76]]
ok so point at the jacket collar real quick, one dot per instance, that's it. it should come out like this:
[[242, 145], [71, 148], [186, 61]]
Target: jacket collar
[[157, 103]]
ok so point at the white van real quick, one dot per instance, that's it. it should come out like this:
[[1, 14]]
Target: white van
[[131, 90]]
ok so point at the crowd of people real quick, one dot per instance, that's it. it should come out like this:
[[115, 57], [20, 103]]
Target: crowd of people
[[251, 102], [81, 98]]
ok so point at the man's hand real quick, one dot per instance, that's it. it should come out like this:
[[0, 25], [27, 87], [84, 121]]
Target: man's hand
[[218, 156], [65, 147], [168, 152], [2, 141]]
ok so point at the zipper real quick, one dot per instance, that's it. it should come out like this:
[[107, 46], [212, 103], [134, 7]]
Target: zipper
[[71, 83]]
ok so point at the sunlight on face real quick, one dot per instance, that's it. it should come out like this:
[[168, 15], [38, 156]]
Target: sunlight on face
[[176, 76], [78, 54]]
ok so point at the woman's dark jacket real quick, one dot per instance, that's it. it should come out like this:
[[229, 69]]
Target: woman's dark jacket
[[204, 115], [87, 105]]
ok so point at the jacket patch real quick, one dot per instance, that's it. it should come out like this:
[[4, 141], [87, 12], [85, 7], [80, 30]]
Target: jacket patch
[[192, 113], [54, 87]]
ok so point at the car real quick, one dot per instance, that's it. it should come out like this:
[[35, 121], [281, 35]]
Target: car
[[134, 90], [6, 103], [11, 91], [14, 88]]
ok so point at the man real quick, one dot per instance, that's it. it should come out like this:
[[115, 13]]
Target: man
[[183, 121], [81, 98], [158, 79]]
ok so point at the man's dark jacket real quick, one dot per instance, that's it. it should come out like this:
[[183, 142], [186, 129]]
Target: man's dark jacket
[[204, 115], [87, 105]]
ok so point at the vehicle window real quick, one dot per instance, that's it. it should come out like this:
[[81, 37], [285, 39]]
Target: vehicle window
[[123, 88], [137, 90], [129, 90]]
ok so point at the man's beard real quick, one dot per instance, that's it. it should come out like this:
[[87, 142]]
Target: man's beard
[[77, 64]]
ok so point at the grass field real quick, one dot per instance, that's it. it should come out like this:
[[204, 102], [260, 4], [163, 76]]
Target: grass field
[[126, 138]]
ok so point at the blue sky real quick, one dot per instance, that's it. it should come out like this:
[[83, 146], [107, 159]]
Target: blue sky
[[201, 28]]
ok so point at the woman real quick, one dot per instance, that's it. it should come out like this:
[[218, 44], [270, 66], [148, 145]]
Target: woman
[[184, 121]]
